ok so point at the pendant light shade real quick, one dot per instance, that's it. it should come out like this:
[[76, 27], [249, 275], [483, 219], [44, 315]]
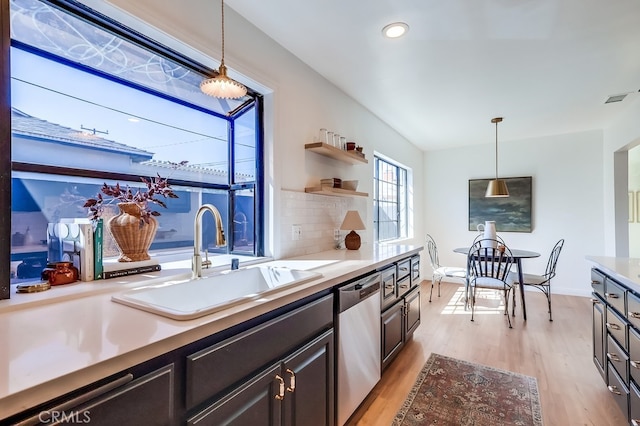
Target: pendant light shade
[[222, 86], [497, 187]]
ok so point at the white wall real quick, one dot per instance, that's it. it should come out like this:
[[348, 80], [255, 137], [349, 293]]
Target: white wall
[[298, 103], [567, 189]]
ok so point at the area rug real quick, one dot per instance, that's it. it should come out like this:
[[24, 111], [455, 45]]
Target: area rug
[[449, 391]]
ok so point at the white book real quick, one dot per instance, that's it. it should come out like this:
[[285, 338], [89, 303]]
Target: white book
[[85, 247]]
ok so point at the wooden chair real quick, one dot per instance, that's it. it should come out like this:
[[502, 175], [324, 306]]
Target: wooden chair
[[439, 272], [488, 267]]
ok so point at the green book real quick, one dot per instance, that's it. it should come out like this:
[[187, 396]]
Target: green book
[[97, 250]]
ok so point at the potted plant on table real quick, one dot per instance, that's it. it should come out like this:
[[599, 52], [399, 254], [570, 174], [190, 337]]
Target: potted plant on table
[[135, 227]]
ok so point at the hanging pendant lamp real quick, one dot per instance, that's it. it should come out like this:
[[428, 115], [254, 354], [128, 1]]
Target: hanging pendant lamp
[[497, 187], [222, 86]]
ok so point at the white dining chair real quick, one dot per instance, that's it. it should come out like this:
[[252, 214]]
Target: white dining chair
[[439, 271]]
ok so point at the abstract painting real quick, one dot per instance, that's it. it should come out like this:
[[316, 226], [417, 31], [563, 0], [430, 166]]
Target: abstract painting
[[512, 214]]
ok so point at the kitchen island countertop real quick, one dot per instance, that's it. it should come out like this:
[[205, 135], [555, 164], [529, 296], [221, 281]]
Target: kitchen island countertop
[[624, 269], [51, 348]]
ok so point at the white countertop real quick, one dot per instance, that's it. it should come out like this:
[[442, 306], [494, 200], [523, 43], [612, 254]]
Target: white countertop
[[624, 269], [70, 336]]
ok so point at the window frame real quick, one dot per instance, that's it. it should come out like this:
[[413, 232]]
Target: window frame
[[401, 201], [254, 102]]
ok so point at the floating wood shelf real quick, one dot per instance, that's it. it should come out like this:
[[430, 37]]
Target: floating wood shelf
[[327, 190], [336, 153]]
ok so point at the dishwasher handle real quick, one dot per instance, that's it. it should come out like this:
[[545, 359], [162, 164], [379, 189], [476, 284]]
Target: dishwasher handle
[[352, 294]]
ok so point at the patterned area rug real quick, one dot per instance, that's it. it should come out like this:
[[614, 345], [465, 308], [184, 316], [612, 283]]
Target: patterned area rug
[[449, 391]]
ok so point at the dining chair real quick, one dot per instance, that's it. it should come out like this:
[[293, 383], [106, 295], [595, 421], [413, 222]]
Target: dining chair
[[543, 282], [488, 267], [439, 271]]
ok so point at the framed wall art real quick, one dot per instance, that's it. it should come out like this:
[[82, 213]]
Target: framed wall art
[[512, 214]]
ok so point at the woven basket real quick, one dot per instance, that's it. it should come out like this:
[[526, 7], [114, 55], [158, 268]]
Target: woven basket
[[133, 240]]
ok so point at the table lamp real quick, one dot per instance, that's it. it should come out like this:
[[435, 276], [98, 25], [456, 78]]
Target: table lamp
[[352, 222]]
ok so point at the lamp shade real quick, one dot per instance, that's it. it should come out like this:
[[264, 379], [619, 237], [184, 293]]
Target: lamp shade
[[497, 188], [352, 221]]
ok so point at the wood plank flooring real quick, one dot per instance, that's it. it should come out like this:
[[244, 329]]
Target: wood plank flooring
[[557, 353]]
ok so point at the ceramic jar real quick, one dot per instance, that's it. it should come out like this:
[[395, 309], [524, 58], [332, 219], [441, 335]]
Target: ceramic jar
[[488, 231], [59, 273]]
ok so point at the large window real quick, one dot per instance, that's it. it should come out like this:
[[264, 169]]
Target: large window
[[94, 102], [390, 201]]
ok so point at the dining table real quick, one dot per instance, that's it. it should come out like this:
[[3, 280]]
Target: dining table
[[517, 255]]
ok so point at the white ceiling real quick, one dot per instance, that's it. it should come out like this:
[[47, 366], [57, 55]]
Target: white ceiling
[[546, 66]]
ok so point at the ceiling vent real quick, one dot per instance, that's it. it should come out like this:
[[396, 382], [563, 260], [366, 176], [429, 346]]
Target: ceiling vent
[[615, 98]]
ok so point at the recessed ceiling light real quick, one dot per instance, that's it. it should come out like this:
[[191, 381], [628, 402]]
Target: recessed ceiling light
[[395, 30], [133, 119]]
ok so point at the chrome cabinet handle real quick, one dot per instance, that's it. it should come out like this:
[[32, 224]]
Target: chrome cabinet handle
[[612, 295], [613, 326], [635, 364], [594, 282], [614, 389], [613, 357], [404, 286], [292, 380], [634, 422], [595, 301], [635, 315], [280, 395]]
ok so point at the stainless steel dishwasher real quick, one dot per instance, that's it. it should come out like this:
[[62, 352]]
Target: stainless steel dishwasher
[[358, 343]]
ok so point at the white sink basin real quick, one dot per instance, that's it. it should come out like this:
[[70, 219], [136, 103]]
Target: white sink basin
[[186, 299]]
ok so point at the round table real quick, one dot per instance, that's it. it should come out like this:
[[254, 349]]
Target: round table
[[517, 255]]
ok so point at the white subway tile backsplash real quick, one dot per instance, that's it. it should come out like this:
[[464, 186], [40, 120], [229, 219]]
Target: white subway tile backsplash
[[318, 215]]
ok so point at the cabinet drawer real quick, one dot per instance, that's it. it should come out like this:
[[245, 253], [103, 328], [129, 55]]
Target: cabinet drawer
[[634, 405], [415, 269], [389, 290], [216, 368], [404, 285], [616, 296], [598, 282], [404, 268], [633, 309], [634, 355], [619, 391], [617, 327], [618, 359]]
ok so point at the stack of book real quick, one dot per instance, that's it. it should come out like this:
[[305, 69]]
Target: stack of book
[[113, 269], [81, 242]]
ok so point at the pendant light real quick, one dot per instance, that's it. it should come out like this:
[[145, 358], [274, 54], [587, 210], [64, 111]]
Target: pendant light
[[497, 187], [222, 86]]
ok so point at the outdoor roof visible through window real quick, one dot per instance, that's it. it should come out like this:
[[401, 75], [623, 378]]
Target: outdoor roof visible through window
[[46, 28]]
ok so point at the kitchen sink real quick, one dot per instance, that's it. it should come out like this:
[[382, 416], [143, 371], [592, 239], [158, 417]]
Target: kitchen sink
[[190, 298]]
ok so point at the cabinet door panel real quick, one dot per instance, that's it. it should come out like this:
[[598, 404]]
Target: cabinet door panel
[[599, 333], [619, 391], [392, 328], [267, 343], [254, 403], [634, 405], [412, 318], [618, 359], [309, 380], [147, 400]]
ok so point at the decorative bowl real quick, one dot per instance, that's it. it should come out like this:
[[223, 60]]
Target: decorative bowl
[[351, 185]]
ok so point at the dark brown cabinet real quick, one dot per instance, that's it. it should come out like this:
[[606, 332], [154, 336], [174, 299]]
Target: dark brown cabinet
[[295, 391], [124, 400], [616, 340], [401, 315]]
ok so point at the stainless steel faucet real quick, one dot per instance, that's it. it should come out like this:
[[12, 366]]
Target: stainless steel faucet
[[196, 264]]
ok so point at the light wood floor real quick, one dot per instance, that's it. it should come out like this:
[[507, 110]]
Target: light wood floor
[[557, 353]]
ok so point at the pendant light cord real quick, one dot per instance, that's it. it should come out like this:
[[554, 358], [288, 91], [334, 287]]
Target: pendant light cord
[[222, 6], [496, 150]]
